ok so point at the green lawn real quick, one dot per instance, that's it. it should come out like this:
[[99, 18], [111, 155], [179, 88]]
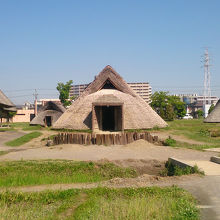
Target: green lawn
[[4, 152], [24, 139], [101, 204], [195, 130], [25, 126], [21, 173]]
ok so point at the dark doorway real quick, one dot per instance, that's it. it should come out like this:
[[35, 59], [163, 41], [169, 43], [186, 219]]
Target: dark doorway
[[108, 118], [48, 121]]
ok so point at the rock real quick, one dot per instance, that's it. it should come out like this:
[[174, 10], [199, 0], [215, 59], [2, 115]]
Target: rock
[[49, 143]]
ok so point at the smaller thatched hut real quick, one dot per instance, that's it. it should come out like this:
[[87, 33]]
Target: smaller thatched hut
[[214, 116], [48, 114]]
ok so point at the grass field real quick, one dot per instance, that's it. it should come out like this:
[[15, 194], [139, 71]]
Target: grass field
[[195, 130], [101, 203], [24, 139], [25, 126], [21, 173]]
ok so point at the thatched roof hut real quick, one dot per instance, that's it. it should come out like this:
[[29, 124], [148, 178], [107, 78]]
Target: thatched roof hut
[[108, 103], [5, 102], [6, 106], [48, 114], [214, 116]]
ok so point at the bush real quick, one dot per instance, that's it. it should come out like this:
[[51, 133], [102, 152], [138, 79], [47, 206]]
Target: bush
[[169, 142], [204, 132], [173, 170]]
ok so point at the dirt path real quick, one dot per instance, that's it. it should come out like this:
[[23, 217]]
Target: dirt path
[[137, 150], [8, 136], [11, 135]]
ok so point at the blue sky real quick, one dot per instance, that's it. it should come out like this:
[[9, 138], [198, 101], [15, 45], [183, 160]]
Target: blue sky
[[159, 41]]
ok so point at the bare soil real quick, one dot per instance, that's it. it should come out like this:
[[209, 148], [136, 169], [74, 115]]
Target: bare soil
[[141, 149]]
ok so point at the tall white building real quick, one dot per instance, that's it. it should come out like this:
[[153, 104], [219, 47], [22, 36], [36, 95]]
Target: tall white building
[[141, 88]]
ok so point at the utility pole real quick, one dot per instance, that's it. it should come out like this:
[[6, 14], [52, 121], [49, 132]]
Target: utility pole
[[207, 89], [35, 102]]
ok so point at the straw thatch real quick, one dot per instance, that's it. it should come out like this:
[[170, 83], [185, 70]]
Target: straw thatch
[[137, 113], [51, 109], [6, 106], [214, 116], [5, 101]]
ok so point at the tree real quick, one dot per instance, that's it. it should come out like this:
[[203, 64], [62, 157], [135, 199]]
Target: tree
[[168, 106], [64, 90], [199, 113], [170, 115], [211, 108], [178, 106], [11, 115]]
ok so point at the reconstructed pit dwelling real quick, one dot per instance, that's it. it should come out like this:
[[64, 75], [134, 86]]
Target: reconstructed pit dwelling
[[6, 106], [109, 104], [48, 114]]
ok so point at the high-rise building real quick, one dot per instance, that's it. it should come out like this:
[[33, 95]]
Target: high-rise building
[[76, 90], [143, 89]]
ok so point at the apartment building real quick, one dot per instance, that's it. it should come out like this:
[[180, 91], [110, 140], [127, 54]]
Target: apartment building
[[195, 98], [141, 88]]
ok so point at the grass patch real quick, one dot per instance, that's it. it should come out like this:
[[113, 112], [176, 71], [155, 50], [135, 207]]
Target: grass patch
[[169, 142], [173, 170], [25, 126], [4, 152], [24, 139], [196, 130], [173, 143], [101, 203], [58, 171]]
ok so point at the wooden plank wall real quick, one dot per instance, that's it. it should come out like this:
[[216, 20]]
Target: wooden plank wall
[[104, 139]]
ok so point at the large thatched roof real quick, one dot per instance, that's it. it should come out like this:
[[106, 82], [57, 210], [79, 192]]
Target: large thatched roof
[[214, 116], [137, 113], [5, 101], [50, 109]]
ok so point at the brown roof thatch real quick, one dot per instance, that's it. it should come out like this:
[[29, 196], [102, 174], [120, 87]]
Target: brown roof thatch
[[107, 99], [50, 109], [137, 113], [5, 101], [214, 116]]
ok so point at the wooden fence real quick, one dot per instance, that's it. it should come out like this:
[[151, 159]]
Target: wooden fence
[[104, 139]]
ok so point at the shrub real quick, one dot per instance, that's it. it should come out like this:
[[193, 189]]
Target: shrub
[[169, 142], [173, 170], [204, 132]]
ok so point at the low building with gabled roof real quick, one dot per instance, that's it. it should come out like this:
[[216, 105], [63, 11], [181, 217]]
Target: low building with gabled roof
[[109, 104]]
